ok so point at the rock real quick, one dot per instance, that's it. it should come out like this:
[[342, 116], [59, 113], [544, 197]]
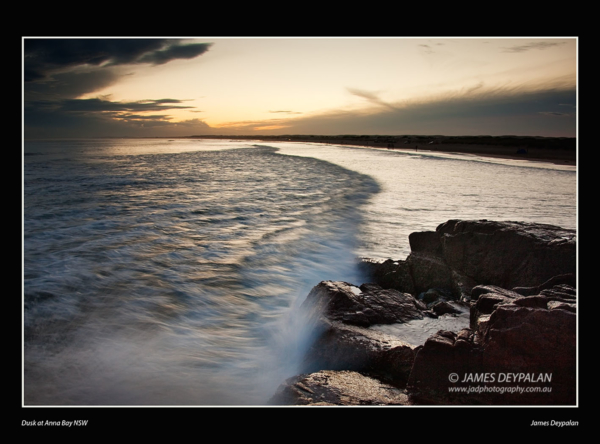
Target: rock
[[556, 305], [527, 344], [343, 312], [560, 281], [443, 355], [558, 293], [532, 302], [389, 274], [430, 271], [517, 281], [349, 347], [331, 388], [525, 340], [434, 295], [479, 290], [487, 303], [365, 305], [449, 307], [425, 242], [515, 332], [485, 299], [462, 286], [508, 254], [460, 255], [545, 301]]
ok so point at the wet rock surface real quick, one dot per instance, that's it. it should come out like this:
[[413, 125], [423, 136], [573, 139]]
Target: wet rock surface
[[513, 283], [366, 305], [518, 355], [343, 314], [337, 388]]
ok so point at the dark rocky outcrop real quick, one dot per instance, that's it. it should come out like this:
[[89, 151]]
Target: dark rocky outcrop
[[443, 355], [562, 281], [517, 281], [390, 274], [522, 353], [365, 305], [508, 254], [460, 255], [343, 312]]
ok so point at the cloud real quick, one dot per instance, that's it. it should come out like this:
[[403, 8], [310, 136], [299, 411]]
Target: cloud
[[70, 85], [43, 57], [57, 72], [285, 112], [472, 111], [175, 52], [131, 117], [554, 113], [253, 125], [45, 123], [534, 45], [56, 69], [474, 88], [269, 127], [97, 105], [371, 97], [97, 117], [428, 48]]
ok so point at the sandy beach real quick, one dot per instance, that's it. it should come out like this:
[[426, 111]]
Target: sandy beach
[[533, 154], [556, 156], [556, 150]]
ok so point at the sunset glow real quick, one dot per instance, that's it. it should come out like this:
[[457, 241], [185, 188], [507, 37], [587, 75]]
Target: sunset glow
[[178, 87]]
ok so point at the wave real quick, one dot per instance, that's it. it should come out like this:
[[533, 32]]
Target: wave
[[183, 289]]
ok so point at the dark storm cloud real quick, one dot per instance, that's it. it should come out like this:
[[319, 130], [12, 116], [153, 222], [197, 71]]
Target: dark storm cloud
[[43, 57], [98, 105], [174, 52], [40, 123], [96, 117], [59, 71], [70, 85]]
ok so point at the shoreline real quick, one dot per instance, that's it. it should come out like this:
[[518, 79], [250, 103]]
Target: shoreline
[[557, 157], [555, 150]]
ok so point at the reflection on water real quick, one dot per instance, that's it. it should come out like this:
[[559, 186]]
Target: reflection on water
[[420, 191], [150, 275]]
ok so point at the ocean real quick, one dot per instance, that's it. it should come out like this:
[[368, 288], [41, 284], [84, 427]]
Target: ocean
[[164, 272]]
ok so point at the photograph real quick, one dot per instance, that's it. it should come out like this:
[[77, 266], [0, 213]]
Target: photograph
[[300, 223]]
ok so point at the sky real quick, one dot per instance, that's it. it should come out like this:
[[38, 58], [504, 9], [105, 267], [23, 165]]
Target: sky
[[177, 87]]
